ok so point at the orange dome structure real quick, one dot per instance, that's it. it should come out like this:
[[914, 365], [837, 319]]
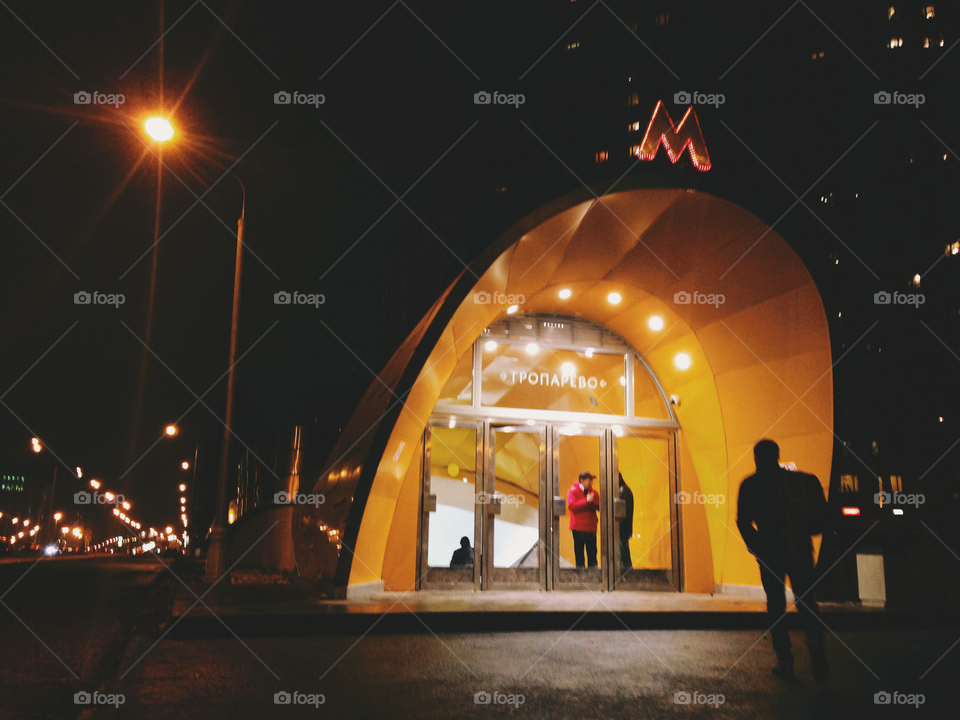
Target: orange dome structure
[[715, 306]]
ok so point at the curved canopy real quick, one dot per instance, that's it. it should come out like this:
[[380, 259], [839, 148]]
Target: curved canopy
[[744, 346]]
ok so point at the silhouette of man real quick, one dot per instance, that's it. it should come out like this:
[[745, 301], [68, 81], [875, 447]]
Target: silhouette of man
[[462, 556], [584, 503], [626, 525], [787, 508]]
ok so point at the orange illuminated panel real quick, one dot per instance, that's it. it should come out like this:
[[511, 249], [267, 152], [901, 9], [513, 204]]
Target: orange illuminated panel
[[535, 377], [852, 511], [459, 388], [647, 400]]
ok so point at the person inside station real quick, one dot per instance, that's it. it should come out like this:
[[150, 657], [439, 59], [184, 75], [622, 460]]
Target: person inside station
[[626, 525], [584, 504], [462, 556]]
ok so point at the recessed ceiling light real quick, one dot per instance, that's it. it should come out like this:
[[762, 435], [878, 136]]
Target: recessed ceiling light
[[682, 361], [532, 348], [655, 323], [614, 298], [490, 345], [565, 293], [568, 368], [512, 309]]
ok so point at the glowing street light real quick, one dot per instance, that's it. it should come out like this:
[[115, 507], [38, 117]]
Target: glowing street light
[[158, 128], [57, 516], [182, 488], [94, 484], [126, 506], [171, 430], [35, 443]]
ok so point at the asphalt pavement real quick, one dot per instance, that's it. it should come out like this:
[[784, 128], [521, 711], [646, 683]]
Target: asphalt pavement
[[106, 628]]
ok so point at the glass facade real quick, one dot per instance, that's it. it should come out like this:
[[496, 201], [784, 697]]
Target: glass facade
[[538, 401]]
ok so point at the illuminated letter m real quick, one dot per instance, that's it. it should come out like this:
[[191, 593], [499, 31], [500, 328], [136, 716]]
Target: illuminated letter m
[[675, 139]]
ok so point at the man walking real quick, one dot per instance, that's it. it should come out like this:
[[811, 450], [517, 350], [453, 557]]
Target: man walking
[[787, 508], [584, 503]]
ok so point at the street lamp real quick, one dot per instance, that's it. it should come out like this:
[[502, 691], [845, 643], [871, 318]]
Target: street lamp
[[159, 129], [171, 430], [217, 553]]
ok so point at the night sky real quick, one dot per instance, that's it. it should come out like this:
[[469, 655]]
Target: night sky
[[398, 112]]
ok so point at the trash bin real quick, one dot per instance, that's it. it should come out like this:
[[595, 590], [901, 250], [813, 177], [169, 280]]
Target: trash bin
[[871, 579]]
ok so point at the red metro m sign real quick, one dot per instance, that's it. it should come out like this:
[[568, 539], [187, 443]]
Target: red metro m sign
[[685, 135]]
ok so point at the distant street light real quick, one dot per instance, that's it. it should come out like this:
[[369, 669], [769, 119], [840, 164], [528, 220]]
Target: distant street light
[[159, 129], [185, 465], [172, 430]]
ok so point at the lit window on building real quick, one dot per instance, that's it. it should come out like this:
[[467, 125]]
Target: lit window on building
[[848, 483], [891, 12], [501, 189], [635, 150], [818, 55], [573, 45], [926, 42], [662, 19], [634, 126], [896, 484], [941, 39], [633, 99], [953, 248], [916, 280], [928, 11], [602, 156], [896, 42]]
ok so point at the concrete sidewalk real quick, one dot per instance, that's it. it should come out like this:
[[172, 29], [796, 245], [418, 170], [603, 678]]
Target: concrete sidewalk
[[284, 610]]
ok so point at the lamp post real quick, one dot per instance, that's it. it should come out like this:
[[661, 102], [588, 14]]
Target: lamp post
[[217, 553], [160, 130]]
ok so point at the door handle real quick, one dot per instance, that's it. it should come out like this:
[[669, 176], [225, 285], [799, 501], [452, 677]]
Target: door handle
[[559, 506], [619, 508], [429, 503]]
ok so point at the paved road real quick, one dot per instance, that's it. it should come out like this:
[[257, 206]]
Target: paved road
[[86, 609], [560, 675], [65, 621]]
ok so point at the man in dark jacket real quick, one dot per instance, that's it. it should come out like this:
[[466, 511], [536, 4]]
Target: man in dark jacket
[[463, 556], [626, 525], [787, 508]]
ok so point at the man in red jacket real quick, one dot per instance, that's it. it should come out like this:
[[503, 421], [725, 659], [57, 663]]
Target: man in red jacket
[[584, 503]]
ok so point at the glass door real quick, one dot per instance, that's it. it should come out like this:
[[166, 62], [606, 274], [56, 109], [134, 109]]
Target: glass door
[[644, 537], [579, 547], [514, 514], [450, 513]]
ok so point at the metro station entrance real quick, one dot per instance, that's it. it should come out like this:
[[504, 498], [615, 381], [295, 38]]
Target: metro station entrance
[[493, 508]]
